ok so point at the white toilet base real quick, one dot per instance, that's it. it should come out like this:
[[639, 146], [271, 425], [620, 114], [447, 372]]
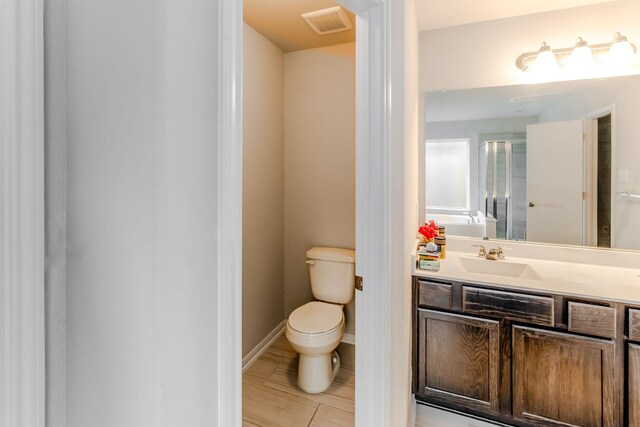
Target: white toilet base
[[316, 373]]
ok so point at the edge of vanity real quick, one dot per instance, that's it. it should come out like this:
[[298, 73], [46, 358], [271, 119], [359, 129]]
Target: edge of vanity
[[548, 336]]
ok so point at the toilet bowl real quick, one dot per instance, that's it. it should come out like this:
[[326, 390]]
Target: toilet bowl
[[314, 331], [316, 328]]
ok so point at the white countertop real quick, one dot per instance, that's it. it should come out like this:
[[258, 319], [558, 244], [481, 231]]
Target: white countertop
[[577, 279]]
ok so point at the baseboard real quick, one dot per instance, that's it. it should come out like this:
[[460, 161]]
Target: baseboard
[[263, 345], [349, 339], [411, 421]]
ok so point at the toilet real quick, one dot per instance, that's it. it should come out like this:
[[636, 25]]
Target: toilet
[[316, 328]]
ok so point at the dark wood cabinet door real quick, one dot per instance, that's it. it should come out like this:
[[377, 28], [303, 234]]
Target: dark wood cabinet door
[[562, 379], [458, 360], [633, 396]]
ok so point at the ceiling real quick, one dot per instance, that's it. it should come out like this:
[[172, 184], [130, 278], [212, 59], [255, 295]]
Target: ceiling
[[281, 23], [434, 14]]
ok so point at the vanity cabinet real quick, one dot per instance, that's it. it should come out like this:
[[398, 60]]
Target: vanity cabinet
[[458, 359], [633, 377], [521, 357], [562, 379], [633, 368]]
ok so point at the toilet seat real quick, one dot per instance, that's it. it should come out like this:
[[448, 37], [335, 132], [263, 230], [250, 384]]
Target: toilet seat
[[317, 318]]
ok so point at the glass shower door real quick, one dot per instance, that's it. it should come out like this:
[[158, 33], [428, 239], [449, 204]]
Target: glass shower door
[[505, 185]]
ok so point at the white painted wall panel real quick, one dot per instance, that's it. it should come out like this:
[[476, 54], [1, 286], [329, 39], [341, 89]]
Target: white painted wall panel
[[142, 96]]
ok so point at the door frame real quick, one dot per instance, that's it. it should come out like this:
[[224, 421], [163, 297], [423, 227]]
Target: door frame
[[373, 249], [22, 368], [22, 328], [590, 178], [373, 306], [373, 354], [229, 225]]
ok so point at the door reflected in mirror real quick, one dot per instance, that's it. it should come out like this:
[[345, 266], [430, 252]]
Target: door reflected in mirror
[[548, 163]]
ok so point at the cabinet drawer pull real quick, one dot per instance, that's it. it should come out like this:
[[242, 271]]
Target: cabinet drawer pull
[[592, 319]]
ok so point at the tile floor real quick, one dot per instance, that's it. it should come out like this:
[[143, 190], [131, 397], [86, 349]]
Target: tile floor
[[270, 396]]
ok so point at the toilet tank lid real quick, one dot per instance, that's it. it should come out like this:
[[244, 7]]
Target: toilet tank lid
[[332, 254]]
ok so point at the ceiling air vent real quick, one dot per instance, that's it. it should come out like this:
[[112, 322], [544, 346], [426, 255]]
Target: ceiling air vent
[[327, 21]]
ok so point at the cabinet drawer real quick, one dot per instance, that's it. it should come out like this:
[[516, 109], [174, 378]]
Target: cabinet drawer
[[433, 294], [634, 324], [592, 319], [508, 305]]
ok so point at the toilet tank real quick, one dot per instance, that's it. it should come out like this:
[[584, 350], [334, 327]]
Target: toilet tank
[[332, 274]]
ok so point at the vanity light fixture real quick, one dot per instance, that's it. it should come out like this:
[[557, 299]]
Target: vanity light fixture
[[581, 55], [619, 52], [546, 61]]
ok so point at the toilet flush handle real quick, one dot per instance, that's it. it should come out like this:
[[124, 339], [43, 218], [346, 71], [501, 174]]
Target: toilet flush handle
[[311, 262]]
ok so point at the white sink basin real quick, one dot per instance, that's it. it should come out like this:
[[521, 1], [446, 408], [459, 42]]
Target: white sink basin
[[499, 268]]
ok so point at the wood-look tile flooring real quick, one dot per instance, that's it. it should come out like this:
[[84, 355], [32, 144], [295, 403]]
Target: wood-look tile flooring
[[270, 396]]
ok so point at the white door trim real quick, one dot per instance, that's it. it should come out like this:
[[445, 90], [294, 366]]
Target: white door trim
[[22, 333], [373, 350], [373, 306], [229, 281]]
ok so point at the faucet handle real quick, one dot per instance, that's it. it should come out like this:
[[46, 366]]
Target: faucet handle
[[482, 251], [500, 250]]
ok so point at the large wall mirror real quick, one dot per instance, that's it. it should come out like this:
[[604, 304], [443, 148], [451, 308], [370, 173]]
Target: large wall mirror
[[552, 163]]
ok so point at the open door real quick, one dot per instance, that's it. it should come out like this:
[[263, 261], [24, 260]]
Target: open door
[[554, 182]]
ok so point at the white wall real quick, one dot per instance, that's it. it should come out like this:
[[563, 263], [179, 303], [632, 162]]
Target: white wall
[[55, 28], [402, 193], [319, 199], [263, 189], [472, 129], [484, 54], [141, 211], [490, 50]]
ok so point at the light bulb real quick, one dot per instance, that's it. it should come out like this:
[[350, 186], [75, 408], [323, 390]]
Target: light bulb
[[621, 51], [581, 56], [546, 62]]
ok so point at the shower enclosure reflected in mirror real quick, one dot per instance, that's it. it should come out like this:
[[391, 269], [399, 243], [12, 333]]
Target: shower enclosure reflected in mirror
[[550, 163], [502, 167]]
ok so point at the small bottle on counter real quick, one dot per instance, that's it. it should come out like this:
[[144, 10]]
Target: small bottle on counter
[[441, 231], [441, 241]]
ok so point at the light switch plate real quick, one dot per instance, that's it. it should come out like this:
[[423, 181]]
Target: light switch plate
[[623, 175]]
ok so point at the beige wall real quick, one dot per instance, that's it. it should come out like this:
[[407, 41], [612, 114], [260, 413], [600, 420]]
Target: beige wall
[[319, 202], [263, 189]]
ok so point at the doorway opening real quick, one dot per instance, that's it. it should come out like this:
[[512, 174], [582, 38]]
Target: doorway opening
[[599, 209], [298, 193]]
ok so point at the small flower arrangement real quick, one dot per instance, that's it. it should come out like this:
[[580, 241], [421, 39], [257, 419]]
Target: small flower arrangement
[[429, 230]]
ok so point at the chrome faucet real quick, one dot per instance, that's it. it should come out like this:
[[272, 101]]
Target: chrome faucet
[[495, 254], [471, 218], [492, 254], [482, 251]]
